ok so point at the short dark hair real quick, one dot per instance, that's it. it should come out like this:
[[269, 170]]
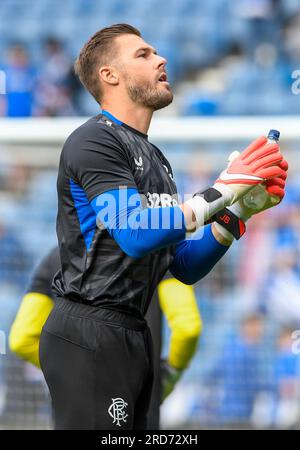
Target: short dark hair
[[98, 50]]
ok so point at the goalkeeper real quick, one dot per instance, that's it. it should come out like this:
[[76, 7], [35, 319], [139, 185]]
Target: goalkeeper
[[177, 301], [114, 247]]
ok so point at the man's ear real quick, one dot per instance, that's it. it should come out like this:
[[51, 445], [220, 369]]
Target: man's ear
[[109, 75]]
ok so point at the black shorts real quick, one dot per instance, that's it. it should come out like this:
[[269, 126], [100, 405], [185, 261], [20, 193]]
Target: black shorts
[[98, 365]]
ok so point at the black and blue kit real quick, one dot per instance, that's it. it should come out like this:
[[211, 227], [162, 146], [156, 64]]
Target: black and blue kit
[[96, 348]]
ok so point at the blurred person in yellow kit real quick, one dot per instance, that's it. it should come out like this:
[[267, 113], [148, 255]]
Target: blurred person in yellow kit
[[177, 302]]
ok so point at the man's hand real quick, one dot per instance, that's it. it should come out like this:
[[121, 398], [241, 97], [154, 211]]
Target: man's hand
[[265, 196], [262, 197], [258, 163], [169, 377]]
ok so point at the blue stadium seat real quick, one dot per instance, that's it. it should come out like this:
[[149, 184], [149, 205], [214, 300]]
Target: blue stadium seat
[[188, 44]]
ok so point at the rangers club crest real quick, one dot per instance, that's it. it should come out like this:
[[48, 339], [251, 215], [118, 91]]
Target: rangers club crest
[[117, 410]]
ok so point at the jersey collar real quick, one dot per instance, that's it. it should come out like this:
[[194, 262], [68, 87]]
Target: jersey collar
[[118, 122], [111, 117]]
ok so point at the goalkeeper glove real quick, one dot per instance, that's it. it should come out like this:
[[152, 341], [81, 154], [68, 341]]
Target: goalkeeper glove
[[169, 377], [259, 162], [231, 221]]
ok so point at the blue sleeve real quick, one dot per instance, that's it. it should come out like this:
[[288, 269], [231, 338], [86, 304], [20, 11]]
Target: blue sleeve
[[137, 230], [194, 258]]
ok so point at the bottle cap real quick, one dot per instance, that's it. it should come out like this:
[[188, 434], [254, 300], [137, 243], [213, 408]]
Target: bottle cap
[[274, 135]]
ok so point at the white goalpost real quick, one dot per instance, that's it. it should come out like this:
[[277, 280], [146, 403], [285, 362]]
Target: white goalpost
[[38, 141]]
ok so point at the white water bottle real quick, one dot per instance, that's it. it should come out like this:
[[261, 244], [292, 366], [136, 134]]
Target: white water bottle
[[256, 198]]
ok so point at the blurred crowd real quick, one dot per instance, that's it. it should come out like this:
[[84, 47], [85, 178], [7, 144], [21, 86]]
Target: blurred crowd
[[224, 56], [247, 369], [27, 231], [49, 89]]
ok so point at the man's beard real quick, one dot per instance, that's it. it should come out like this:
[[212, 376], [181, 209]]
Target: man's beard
[[149, 96]]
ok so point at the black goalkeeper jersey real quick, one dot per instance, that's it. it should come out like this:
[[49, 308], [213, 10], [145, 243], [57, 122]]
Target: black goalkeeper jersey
[[102, 155]]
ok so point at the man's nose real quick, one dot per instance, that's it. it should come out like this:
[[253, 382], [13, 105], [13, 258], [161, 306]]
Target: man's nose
[[162, 61]]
